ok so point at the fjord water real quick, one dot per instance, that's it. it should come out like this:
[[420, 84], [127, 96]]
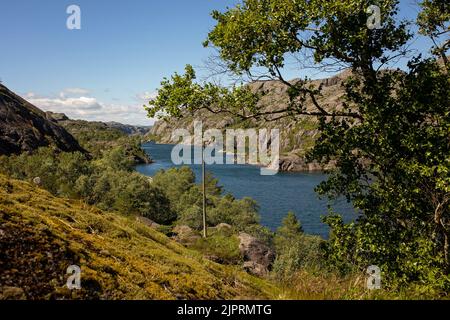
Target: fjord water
[[276, 195]]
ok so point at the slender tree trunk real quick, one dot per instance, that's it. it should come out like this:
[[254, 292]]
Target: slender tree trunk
[[446, 248], [438, 213], [205, 233]]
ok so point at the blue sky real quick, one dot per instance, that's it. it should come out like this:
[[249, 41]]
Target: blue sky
[[106, 70]]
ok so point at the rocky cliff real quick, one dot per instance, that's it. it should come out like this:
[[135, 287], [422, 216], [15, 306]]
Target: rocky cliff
[[24, 127], [297, 134]]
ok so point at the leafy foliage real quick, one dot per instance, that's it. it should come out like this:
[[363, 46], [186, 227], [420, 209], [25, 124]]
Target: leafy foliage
[[394, 167]]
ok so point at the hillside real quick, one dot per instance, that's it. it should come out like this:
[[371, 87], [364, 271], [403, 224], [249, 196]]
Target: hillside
[[297, 134], [120, 258], [96, 137], [24, 127]]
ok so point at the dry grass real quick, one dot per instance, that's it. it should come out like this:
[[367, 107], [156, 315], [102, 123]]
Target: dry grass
[[314, 285]]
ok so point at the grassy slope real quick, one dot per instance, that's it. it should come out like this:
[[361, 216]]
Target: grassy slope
[[120, 258]]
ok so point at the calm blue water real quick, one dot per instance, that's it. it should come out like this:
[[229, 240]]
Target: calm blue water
[[276, 194]]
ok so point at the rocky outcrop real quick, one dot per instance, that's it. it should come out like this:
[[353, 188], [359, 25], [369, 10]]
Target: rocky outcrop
[[297, 135], [295, 163], [24, 127], [258, 257]]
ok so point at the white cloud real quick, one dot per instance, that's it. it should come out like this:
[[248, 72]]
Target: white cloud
[[63, 104], [146, 96], [89, 108]]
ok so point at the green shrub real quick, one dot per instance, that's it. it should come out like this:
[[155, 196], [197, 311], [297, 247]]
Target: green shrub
[[295, 250], [127, 192], [192, 217], [220, 247], [305, 252], [58, 172], [239, 213]]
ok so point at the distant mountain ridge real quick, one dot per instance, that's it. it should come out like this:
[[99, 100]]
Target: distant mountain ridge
[[129, 129], [125, 128], [24, 127]]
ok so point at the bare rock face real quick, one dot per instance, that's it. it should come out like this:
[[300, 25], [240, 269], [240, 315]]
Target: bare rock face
[[257, 256], [24, 127], [295, 163], [255, 268]]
